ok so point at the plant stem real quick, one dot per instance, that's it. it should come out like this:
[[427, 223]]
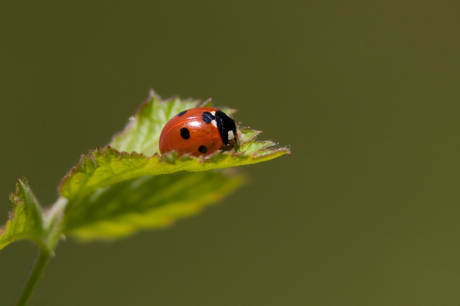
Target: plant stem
[[40, 263]]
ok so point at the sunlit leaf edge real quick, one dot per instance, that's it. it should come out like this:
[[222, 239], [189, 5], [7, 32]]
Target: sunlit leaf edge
[[137, 164]]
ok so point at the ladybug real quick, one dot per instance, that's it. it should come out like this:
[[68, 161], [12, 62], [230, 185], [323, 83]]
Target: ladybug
[[199, 131]]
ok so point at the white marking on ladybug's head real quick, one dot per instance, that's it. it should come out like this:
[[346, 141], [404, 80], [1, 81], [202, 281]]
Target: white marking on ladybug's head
[[231, 136], [214, 122], [213, 113]]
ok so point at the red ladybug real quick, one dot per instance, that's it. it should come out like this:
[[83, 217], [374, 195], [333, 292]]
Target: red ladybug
[[199, 131]]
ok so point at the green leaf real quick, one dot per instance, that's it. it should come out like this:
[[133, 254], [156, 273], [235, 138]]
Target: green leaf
[[147, 202], [26, 221], [127, 186], [134, 152]]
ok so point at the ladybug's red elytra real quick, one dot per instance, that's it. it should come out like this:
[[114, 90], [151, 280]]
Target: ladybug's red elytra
[[199, 131]]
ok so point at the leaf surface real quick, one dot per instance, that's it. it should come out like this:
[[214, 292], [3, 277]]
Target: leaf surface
[[26, 221], [148, 202]]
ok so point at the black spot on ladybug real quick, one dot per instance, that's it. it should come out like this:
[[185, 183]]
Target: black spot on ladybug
[[207, 117], [181, 113], [184, 133], [203, 149]]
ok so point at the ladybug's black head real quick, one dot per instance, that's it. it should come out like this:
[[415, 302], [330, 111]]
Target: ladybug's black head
[[227, 130]]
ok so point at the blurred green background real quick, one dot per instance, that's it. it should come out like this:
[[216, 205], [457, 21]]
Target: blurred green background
[[364, 212]]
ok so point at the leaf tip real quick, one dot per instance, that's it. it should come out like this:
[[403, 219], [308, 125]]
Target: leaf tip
[[206, 103], [153, 95], [21, 183], [288, 150]]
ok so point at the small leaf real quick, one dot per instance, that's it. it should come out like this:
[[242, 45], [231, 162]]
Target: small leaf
[[147, 202], [25, 220]]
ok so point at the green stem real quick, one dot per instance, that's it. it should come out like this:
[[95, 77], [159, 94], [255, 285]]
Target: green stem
[[40, 263]]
